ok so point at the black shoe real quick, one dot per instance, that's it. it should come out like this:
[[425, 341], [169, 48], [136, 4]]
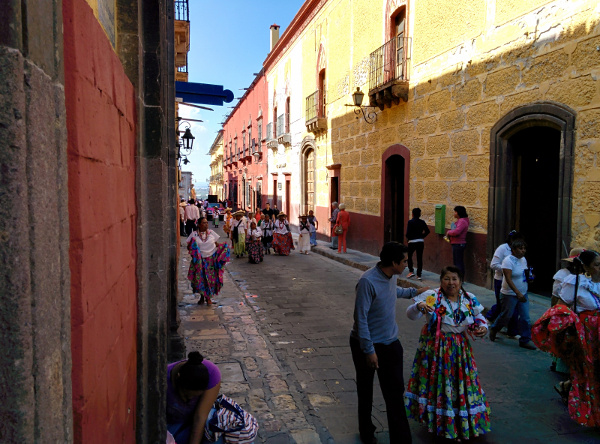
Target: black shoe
[[370, 440], [493, 334], [527, 345], [201, 301]]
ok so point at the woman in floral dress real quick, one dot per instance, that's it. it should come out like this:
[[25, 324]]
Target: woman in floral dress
[[282, 236], [208, 259], [254, 244], [444, 391], [574, 336]]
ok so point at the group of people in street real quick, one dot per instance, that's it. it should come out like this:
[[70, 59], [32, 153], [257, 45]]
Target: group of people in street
[[444, 392]]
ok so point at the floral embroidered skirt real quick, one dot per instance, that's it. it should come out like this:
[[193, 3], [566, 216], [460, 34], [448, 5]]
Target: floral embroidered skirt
[[239, 247], [255, 251], [283, 243], [443, 391], [206, 274]]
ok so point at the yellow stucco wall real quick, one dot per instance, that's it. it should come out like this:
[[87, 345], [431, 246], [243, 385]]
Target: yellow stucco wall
[[472, 63]]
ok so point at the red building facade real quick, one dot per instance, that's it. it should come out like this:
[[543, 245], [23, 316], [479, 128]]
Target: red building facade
[[244, 148]]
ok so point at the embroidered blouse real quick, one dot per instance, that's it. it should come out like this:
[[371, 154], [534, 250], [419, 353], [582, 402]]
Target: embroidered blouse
[[459, 315], [588, 294], [304, 228], [255, 234], [282, 227], [205, 241]]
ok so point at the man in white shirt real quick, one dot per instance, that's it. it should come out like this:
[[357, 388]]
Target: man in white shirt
[[192, 215]]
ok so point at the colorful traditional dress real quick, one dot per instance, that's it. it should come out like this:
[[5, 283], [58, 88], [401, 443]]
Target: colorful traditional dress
[[444, 391], [238, 236], [575, 338], [208, 260], [227, 224], [282, 238], [254, 246]]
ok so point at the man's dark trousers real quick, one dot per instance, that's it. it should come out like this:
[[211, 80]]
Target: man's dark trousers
[[418, 248], [391, 381]]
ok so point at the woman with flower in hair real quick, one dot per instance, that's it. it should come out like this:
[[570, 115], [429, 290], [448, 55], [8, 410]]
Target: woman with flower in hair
[[444, 391], [192, 388]]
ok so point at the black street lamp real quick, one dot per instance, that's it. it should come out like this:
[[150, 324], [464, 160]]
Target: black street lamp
[[357, 98], [186, 142]]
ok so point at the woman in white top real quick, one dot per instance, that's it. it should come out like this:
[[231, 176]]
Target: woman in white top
[[237, 231], [254, 244], [282, 236], [444, 391], [208, 259], [304, 235]]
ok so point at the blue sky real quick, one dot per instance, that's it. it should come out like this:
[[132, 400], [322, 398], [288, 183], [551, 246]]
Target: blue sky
[[229, 42]]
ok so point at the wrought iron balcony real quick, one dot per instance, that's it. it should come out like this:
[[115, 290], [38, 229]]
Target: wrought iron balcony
[[182, 10], [316, 121], [283, 135], [388, 72]]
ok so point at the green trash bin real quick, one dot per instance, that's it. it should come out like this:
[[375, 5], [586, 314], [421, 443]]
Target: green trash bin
[[440, 219]]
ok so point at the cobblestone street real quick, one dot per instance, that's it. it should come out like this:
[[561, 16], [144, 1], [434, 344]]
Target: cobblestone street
[[279, 332]]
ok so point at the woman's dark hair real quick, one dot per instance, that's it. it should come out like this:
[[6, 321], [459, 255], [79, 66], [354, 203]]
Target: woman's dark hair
[[193, 374], [513, 236], [518, 243], [461, 211], [392, 252], [451, 269], [201, 219], [587, 257], [416, 212]]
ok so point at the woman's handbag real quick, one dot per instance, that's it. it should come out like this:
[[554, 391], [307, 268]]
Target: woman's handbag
[[338, 229], [228, 420]]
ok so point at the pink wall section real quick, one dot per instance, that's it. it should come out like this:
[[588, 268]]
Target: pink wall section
[[101, 123]]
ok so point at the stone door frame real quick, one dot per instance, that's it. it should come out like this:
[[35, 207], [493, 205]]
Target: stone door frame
[[547, 114]]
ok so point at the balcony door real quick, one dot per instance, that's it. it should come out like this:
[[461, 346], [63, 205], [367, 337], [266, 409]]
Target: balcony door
[[399, 32]]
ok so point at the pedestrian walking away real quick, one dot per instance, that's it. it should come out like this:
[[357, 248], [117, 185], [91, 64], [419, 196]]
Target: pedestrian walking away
[[254, 244], [182, 205], [192, 389], [514, 294], [574, 336], [304, 235], [314, 226], [282, 236], [458, 237], [334, 212], [416, 232], [375, 346], [208, 259], [342, 220], [444, 392], [192, 214]]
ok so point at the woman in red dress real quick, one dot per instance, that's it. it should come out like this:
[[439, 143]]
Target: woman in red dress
[[343, 219]]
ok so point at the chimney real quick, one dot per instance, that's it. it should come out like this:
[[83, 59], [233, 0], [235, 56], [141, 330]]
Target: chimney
[[274, 35]]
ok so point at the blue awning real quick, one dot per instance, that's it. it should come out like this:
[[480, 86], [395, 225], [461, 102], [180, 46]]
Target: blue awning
[[203, 93]]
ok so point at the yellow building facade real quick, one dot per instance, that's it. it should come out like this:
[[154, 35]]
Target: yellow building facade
[[215, 185], [489, 104]]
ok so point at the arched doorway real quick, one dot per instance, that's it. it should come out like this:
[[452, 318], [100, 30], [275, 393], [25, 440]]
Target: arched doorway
[[530, 185], [394, 188], [307, 175]]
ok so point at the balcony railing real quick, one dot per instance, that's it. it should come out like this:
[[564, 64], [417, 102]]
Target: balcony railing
[[182, 10], [312, 106], [270, 135], [280, 124], [389, 63]]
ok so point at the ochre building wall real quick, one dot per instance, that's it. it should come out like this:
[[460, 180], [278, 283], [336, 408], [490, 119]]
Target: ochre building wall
[[101, 124]]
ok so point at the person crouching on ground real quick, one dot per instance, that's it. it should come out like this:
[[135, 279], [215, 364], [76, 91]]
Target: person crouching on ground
[[375, 346], [443, 392], [282, 236], [304, 235], [192, 388], [514, 294], [254, 244], [208, 259], [238, 231]]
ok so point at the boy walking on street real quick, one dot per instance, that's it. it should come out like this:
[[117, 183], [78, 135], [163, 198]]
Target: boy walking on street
[[514, 294], [375, 346], [416, 232]]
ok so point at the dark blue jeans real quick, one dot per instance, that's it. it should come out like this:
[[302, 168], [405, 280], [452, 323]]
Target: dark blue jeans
[[510, 305], [513, 324], [391, 380], [458, 257]]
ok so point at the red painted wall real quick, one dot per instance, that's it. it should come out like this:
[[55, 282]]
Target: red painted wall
[[254, 100], [101, 124]]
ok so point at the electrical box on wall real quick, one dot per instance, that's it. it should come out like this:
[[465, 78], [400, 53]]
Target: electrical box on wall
[[440, 219]]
